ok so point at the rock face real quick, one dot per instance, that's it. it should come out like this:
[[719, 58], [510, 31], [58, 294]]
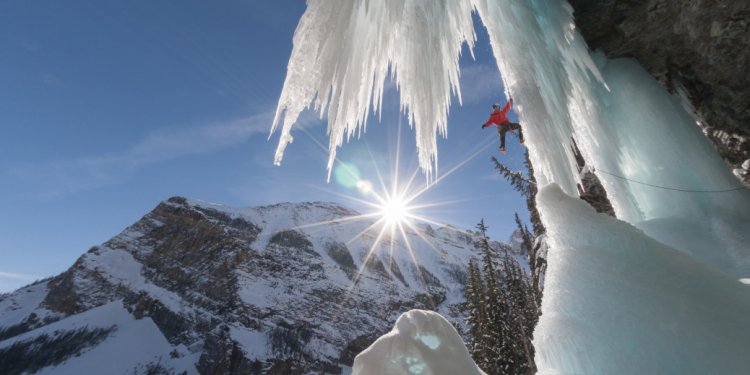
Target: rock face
[[698, 49], [200, 288], [591, 189]]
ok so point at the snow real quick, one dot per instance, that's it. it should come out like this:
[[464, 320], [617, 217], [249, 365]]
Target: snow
[[421, 343], [259, 293], [133, 343], [15, 307], [120, 268], [665, 275], [254, 344]]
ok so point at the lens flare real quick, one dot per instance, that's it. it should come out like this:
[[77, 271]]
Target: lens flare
[[364, 186]]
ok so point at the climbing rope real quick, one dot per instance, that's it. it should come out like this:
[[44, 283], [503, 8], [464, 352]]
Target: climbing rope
[[671, 188]]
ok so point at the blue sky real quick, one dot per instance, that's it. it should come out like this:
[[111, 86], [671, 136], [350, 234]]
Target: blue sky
[[109, 107]]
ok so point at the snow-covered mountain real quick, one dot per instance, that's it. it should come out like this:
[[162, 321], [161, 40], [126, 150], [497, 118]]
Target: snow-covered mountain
[[201, 288]]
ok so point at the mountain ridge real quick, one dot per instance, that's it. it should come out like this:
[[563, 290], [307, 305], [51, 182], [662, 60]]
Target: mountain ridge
[[283, 288]]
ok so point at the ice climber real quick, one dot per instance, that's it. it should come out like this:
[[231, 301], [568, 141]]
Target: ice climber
[[499, 118]]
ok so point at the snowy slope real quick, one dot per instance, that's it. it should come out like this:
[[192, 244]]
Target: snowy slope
[[198, 287], [133, 341]]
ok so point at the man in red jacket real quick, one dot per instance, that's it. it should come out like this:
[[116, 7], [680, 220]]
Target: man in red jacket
[[499, 118]]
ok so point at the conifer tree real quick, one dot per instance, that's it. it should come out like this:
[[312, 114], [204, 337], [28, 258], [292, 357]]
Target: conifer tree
[[490, 342], [521, 316], [536, 221], [503, 311], [537, 264], [476, 319], [526, 185]]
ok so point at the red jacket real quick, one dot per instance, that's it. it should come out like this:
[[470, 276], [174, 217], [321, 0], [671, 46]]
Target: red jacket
[[498, 118]]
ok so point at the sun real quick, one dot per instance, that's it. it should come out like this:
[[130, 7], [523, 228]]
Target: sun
[[394, 211]]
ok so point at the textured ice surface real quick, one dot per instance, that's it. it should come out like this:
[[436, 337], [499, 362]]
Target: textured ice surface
[[421, 343], [619, 302], [644, 134]]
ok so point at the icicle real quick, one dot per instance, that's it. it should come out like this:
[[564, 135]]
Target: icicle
[[341, 58]]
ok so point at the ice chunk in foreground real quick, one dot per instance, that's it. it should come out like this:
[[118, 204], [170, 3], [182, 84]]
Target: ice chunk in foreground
[[422, 342], [619, 302]]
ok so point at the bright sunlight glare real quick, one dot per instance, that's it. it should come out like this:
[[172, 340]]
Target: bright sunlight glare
[[394, 210], [397, 215]]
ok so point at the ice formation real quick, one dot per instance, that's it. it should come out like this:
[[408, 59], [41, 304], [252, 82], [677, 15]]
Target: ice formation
[[342, 55], [421, 343], [617, 292], [619, 302]]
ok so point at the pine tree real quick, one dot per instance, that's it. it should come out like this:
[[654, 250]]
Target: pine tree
[[521, 316], [503, 311], [526, 185], [536, 221], [519, 182], [476, 319], [536, 263], [490, 342]]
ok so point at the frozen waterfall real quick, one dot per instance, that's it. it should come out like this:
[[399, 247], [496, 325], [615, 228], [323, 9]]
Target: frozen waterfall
[[656, 291]]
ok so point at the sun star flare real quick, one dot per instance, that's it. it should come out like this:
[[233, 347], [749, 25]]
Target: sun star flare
[[394, 211]]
